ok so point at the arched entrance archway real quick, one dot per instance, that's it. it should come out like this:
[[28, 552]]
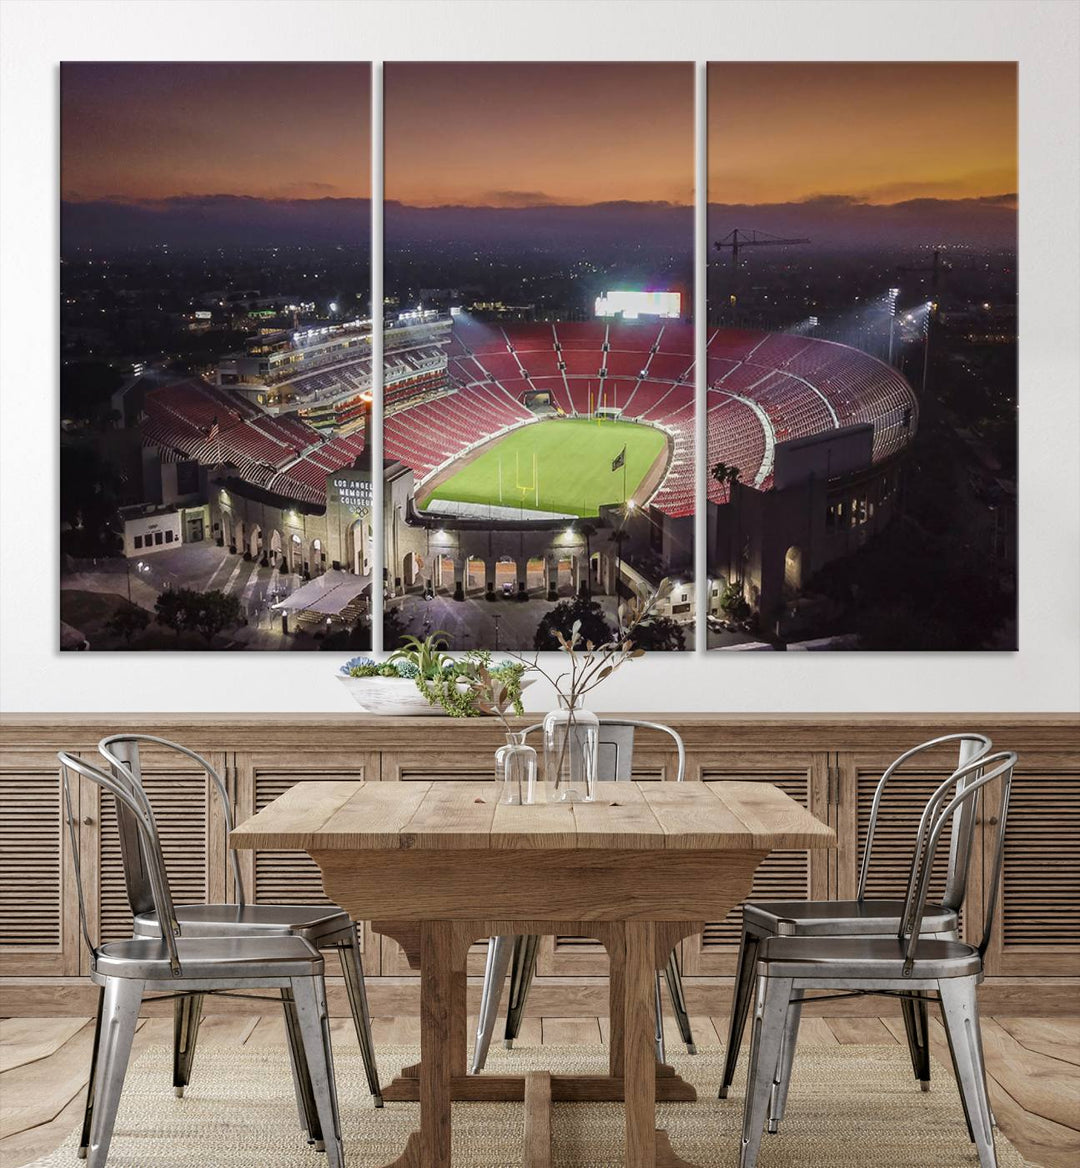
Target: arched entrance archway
[[506, 575], [315, 560], [410, 569], [255, 542], [793, 571], [296, 554], [474, 574]]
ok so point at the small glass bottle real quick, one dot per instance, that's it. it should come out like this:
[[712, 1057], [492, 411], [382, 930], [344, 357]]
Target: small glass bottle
[[571, 738], [515, 770]]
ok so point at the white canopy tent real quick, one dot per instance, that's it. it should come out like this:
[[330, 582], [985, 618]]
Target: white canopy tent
[[327, 594]]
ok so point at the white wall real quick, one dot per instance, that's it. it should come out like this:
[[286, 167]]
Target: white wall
[[1043, 675]]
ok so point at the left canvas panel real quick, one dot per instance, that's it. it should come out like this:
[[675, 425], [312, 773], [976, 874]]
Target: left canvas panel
[[215, 355]]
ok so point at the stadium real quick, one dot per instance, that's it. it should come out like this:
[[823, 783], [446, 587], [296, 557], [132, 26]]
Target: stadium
[[538, 423], [764, 389], [504, 442]]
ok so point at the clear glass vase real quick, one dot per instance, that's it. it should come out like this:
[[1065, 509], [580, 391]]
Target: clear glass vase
[[571, 737], [515, 771]]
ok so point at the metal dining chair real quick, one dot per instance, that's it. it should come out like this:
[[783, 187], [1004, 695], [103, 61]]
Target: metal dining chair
[[323, 926], [170, 964], [615, 756], [901, 966], [862, 916]]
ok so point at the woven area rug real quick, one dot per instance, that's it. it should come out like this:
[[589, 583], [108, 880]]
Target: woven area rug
[[849, 1107]]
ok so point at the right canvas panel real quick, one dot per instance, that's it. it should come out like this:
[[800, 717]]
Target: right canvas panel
[[862, 356]]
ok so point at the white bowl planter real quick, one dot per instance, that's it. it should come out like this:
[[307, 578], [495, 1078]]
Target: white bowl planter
[[395, 696]]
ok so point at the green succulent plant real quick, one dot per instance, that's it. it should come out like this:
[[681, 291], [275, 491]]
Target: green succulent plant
[[469, 686]]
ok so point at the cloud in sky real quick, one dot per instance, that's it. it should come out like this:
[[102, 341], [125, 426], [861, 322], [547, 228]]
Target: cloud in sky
[[830, 221]]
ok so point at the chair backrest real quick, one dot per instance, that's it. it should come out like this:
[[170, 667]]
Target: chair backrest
[[971, 747], [129, 795], [615, 747], [960, 793], [121, 752]]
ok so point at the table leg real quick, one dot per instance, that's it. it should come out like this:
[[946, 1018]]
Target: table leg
[[639, 1051], [646, 948], [442, 1043], [440, 948]]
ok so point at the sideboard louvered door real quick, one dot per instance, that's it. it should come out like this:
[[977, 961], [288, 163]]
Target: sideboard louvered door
[[585, 956], [292, 877], [1037, 923], [39, 927], [902, 806], [192, 830], [794, 875]]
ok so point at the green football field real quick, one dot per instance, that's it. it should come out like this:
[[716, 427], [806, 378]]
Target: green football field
[[571, 458]]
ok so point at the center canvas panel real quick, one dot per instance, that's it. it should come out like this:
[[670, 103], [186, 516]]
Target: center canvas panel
[[538, 402]]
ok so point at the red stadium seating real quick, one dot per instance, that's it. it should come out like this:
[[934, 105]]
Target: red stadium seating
[[763, 389], [540, 363], [638, 337], [479, 336], [677, 337], [669, 366], [500, 365], [623, 363], [588, 335], [530, 336], [582, 362], [214, 425]]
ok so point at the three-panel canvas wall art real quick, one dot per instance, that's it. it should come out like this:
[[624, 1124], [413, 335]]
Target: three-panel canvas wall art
[[525, 415]]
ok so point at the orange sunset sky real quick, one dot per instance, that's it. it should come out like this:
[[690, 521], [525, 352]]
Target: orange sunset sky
[[881, 132], [526, 134], [161, 129]]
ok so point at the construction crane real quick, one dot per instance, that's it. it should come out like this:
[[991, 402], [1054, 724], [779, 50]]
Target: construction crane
[[736, 240], [936, 268]]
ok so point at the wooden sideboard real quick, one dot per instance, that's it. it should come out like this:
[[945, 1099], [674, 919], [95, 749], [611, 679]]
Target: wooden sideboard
[[830, 763]]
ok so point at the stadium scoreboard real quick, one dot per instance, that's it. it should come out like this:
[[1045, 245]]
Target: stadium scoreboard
[[632, 305]]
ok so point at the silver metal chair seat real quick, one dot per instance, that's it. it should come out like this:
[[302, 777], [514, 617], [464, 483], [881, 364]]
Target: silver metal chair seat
[[185, 970], [830, 918], [862, 916], [909, 966], [313, 922], [518, 954], [231, 957], [867, 957], [323, 926]]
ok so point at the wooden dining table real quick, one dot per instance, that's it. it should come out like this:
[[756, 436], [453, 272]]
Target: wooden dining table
[[440, 865]]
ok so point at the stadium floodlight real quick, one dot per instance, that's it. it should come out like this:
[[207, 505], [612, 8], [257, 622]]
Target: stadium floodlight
[[333, 306], [630, 304]]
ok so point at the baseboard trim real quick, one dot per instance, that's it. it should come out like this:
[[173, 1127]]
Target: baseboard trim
[[566, 997]]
